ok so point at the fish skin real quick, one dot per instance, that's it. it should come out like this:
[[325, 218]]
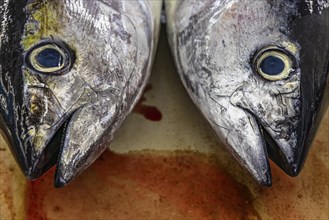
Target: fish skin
[[65, 118], [214, 43]]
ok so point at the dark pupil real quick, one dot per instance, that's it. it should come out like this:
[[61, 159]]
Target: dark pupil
[[272, 65], [49, 58]]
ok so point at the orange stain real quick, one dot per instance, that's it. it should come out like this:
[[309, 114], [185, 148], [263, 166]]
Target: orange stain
[[144, 186]]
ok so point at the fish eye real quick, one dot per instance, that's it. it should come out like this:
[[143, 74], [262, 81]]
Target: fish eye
[[274, 63], [49, 57]]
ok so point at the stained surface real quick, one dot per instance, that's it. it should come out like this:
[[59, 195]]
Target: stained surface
[[169, 182], [151, 113], [190, 185]]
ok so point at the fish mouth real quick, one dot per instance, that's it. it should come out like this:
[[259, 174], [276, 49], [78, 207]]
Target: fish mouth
[[50, 155], [286, 156], [71, 139], [278, 156], [76, 144], [34, 164]]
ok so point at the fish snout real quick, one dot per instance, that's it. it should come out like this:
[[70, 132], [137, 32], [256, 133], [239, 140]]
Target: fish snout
[[278, 118], [39, 127], [88, 130], [38, 134]]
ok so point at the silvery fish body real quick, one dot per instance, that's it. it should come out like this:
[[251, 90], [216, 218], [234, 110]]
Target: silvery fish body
[[258, 71], [70, 73]]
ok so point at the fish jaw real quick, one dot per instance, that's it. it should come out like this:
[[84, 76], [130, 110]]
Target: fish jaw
[[65, 117], [280, 125], [86, 133], [215, 44], [252, 134], [240, 133]]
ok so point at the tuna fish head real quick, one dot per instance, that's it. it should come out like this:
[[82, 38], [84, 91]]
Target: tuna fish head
[[258, 71], [71, 71]]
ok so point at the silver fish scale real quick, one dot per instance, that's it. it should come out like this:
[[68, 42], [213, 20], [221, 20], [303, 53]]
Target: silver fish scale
[[112, 45], [213, 43]]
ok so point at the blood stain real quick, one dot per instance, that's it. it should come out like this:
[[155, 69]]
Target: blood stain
[[149, 112], [35, 191], [144, 186]]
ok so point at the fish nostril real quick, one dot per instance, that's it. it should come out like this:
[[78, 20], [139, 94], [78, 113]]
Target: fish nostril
[[236, 98]]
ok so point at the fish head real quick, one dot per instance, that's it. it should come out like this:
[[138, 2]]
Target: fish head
[[71, 71], [258, 70]]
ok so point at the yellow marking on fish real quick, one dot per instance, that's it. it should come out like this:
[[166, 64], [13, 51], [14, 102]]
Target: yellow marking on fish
[[32, 132], [43, 22], [30, 79], [38, 141], [292, 48], [34, 107]]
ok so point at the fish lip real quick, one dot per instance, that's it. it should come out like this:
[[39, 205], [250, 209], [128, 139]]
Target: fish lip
[[59, 182], [55, 144], [277, 156], [273, 150], [240, 133], [268, 183], [50, 154]]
